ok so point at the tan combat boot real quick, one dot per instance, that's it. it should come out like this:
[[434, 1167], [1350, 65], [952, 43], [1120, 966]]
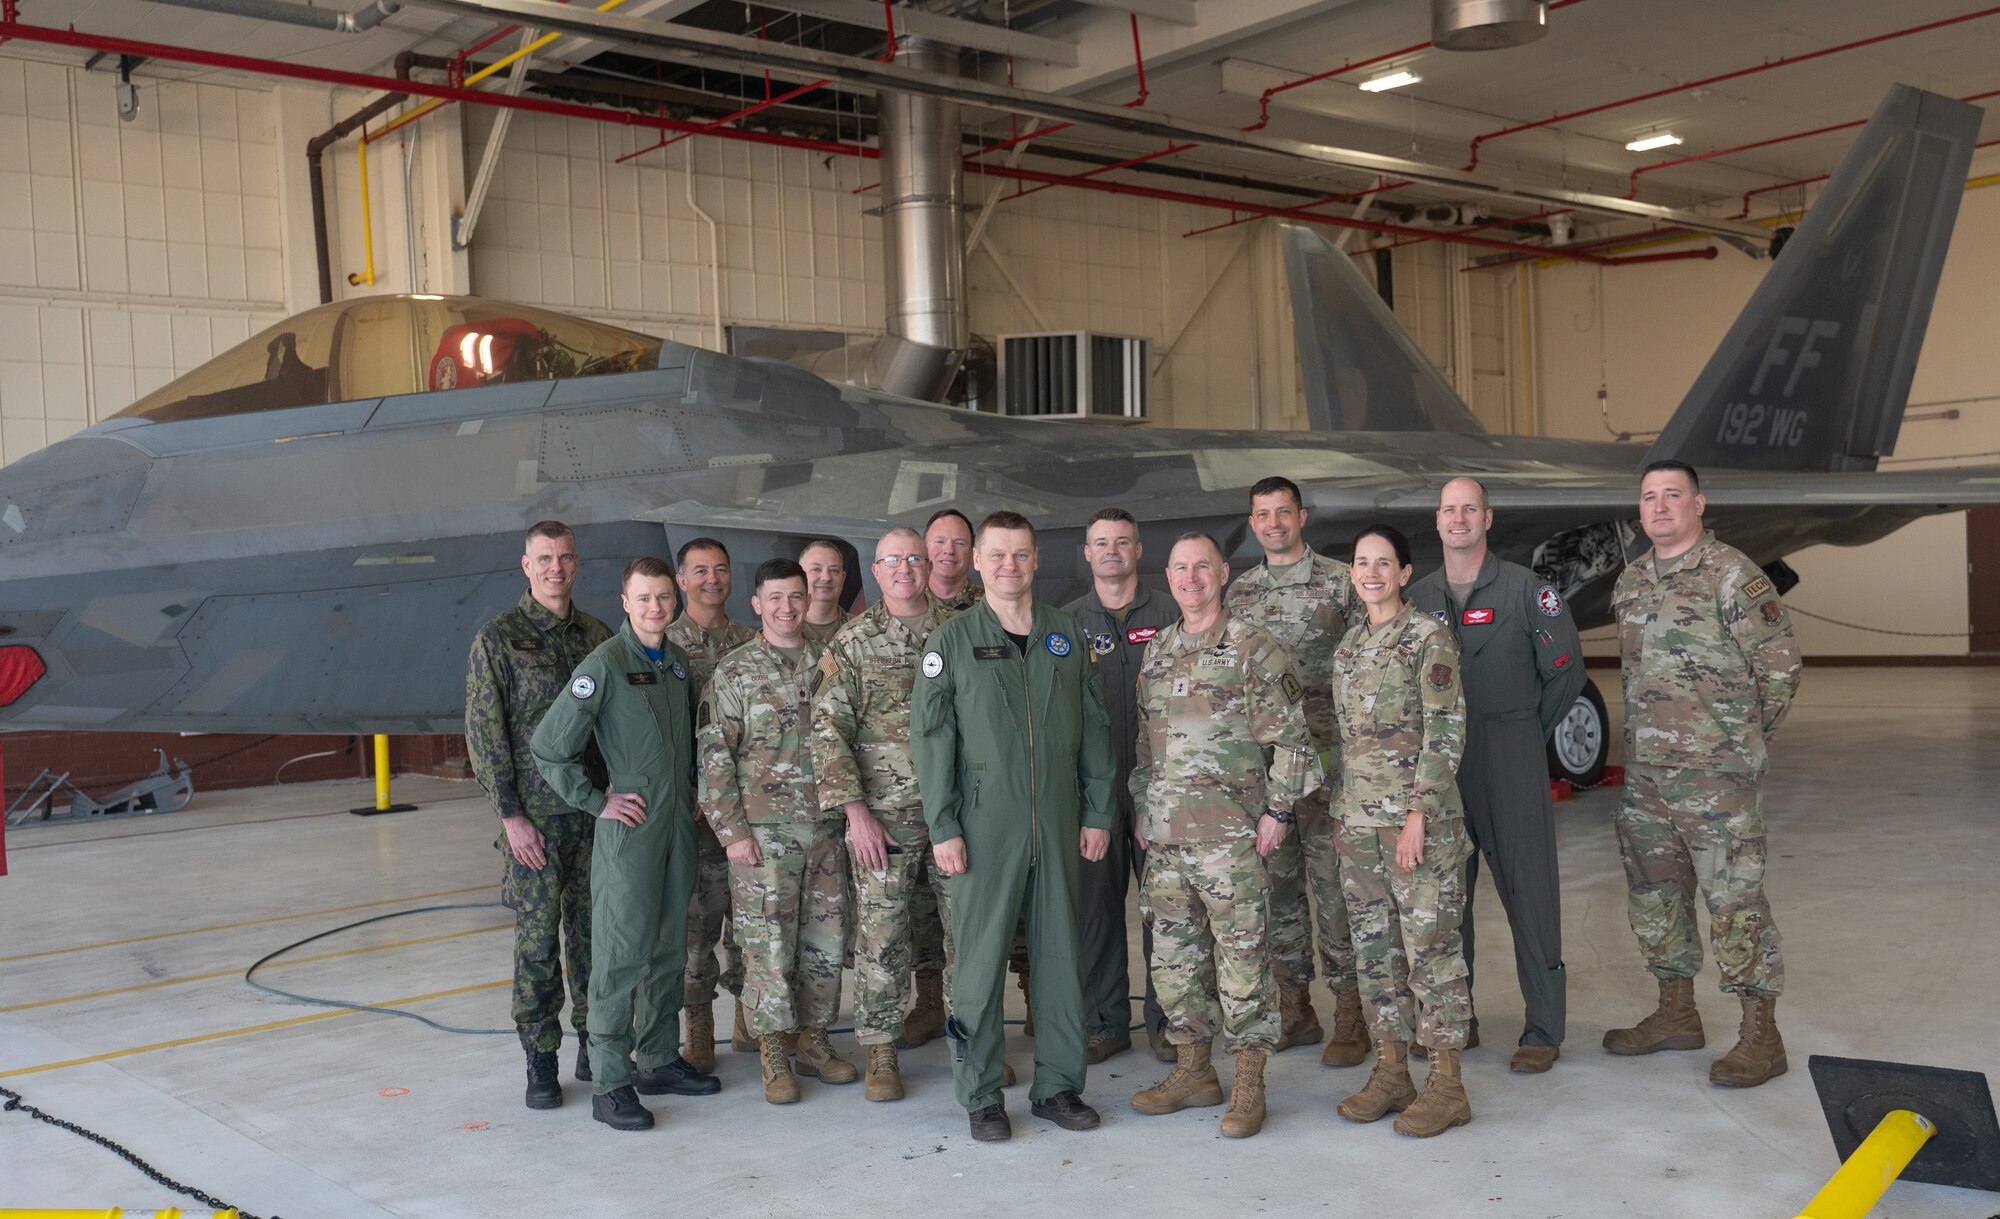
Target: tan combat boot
[[698, 1042], [1299, 1023], [1027, 1003], [1388, 1087], [816, 1057], [1442, 1104], [1246, 1097], [1673, 1025], [779, 1086], [1348, 1047], [740, 1039], [1759, 1053], [1191, 1084], [925, 1021], [884, 1080]]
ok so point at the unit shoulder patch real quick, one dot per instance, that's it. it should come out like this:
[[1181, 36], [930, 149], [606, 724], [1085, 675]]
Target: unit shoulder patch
[[1548, 600], [1772, 611], [583, 687], [1290, 685], [933, 664], [1440, 677]]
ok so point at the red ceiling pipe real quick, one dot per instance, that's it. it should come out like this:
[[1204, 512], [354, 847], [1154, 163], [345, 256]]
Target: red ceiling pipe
[[1633, 193], [1766, 66], [362, 80], [1498, 222], [1138, 63]]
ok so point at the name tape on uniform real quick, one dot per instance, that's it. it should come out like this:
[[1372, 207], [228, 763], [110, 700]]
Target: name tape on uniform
[[1140, 634], [1477, 617]]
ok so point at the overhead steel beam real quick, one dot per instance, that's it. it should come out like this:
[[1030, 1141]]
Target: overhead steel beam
[[1174, 12], [952, 31], [680, 43], [657, 10]]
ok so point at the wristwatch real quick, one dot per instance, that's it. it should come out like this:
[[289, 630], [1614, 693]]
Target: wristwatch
[[1283, 816]]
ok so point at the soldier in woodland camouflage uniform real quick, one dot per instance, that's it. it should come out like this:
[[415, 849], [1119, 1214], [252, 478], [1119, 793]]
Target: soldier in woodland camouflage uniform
[[1710, 668], [1306, 601], [1216, 697], [861, 763], [706, 633], [787, 863], [520, 662], [1403, 844], [826, 574]]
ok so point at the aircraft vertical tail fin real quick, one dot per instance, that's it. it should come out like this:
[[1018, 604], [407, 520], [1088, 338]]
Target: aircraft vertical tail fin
[[1360, 369], [1816, 370]]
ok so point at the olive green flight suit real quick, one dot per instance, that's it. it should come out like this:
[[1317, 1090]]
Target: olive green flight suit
[[1013, 753], [641, 713]]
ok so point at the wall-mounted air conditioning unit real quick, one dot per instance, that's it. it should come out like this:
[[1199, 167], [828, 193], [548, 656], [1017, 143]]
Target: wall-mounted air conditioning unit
[[1073, 374]]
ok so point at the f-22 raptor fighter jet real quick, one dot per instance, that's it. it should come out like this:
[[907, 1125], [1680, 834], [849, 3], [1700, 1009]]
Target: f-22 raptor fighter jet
[[302, 535]]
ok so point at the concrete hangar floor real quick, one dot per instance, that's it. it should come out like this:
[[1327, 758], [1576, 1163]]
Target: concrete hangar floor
[[122, 1007]]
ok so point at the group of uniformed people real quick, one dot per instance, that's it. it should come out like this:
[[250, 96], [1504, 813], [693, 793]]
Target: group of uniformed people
[[961, 781]]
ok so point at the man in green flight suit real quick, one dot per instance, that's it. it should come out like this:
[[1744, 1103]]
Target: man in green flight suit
[[1013, 753], [633, 696]]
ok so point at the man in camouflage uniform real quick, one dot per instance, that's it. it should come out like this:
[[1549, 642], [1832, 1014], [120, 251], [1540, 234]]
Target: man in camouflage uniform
[[787, 863], [826, 575], [948, 542], [1400, 712], [1216, 698], [520, 662], [706, 633], [861, 762], [1710, 668], [1306, 602]]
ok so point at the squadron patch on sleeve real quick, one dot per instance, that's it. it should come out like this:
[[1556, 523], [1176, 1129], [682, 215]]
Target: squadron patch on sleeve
[[1772, 612], [584, 686], [1440, 677], [1756, 588], [1549, 600], [933, 664], [1058, 644], [1290, 685]]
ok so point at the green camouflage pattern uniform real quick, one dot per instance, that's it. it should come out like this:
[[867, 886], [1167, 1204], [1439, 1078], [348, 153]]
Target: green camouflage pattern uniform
[[757, 782], [1307, 607], [1401, 713], [1222, 737], [708, 915], [861, 751], [823, 632], [1710, 668], [520, 662]]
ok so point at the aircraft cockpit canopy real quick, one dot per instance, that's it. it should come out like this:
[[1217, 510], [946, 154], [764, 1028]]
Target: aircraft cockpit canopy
[[379, 346]]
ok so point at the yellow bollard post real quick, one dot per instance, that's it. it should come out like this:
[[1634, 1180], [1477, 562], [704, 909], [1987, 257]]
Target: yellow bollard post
[[382, 804], [1852, 1191]]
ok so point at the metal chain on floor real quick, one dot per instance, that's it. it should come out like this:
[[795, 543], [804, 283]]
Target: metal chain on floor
[[15, 1102], [1883, 630]]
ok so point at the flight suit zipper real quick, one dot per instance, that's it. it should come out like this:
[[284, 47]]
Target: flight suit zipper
[[1028, 715]]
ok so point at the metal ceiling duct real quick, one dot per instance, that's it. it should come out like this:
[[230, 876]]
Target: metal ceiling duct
[[367, 17], [923, 246], [1487, 25]]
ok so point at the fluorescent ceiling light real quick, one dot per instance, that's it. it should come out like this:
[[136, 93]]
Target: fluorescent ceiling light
[[1664, 139], [1394, 80]]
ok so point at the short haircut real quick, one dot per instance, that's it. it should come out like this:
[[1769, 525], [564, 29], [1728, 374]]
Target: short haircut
[[1393, 536], [681, 555], [650, 566], [1004, 519], [1467, 478], [824, 544], [942, 513], [1275, 484], [777, 569], [1111, 514], [1196, 535], [1666, 464], [553, 530], [901, 531]]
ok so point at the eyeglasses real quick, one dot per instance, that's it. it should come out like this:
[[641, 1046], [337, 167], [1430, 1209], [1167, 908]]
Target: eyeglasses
[[891, 560]]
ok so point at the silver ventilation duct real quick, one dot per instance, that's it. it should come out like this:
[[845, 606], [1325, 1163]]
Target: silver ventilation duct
[[1487, 25], [923, 186], [367, 17]]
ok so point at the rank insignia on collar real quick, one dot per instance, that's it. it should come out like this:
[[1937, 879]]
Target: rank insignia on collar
[[1102, 644], [1058, 644]]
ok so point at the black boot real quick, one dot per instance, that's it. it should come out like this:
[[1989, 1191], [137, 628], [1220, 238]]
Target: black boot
[[676, 1078], [544, 1090], [582, 1057], [620, 1109]]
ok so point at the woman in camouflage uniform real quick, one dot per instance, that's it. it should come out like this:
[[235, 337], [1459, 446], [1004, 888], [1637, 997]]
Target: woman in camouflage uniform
[[1402, 840]]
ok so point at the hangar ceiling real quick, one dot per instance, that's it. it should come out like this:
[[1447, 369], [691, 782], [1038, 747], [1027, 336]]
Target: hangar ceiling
[[1799, 77]]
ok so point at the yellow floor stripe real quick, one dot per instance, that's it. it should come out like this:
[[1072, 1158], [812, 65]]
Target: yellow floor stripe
[[253, 922], [244, 1032], [231, 973]]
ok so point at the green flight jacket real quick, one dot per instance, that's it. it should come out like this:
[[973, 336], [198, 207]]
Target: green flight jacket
[[642, 717], [1518, 647], [999, 737]]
